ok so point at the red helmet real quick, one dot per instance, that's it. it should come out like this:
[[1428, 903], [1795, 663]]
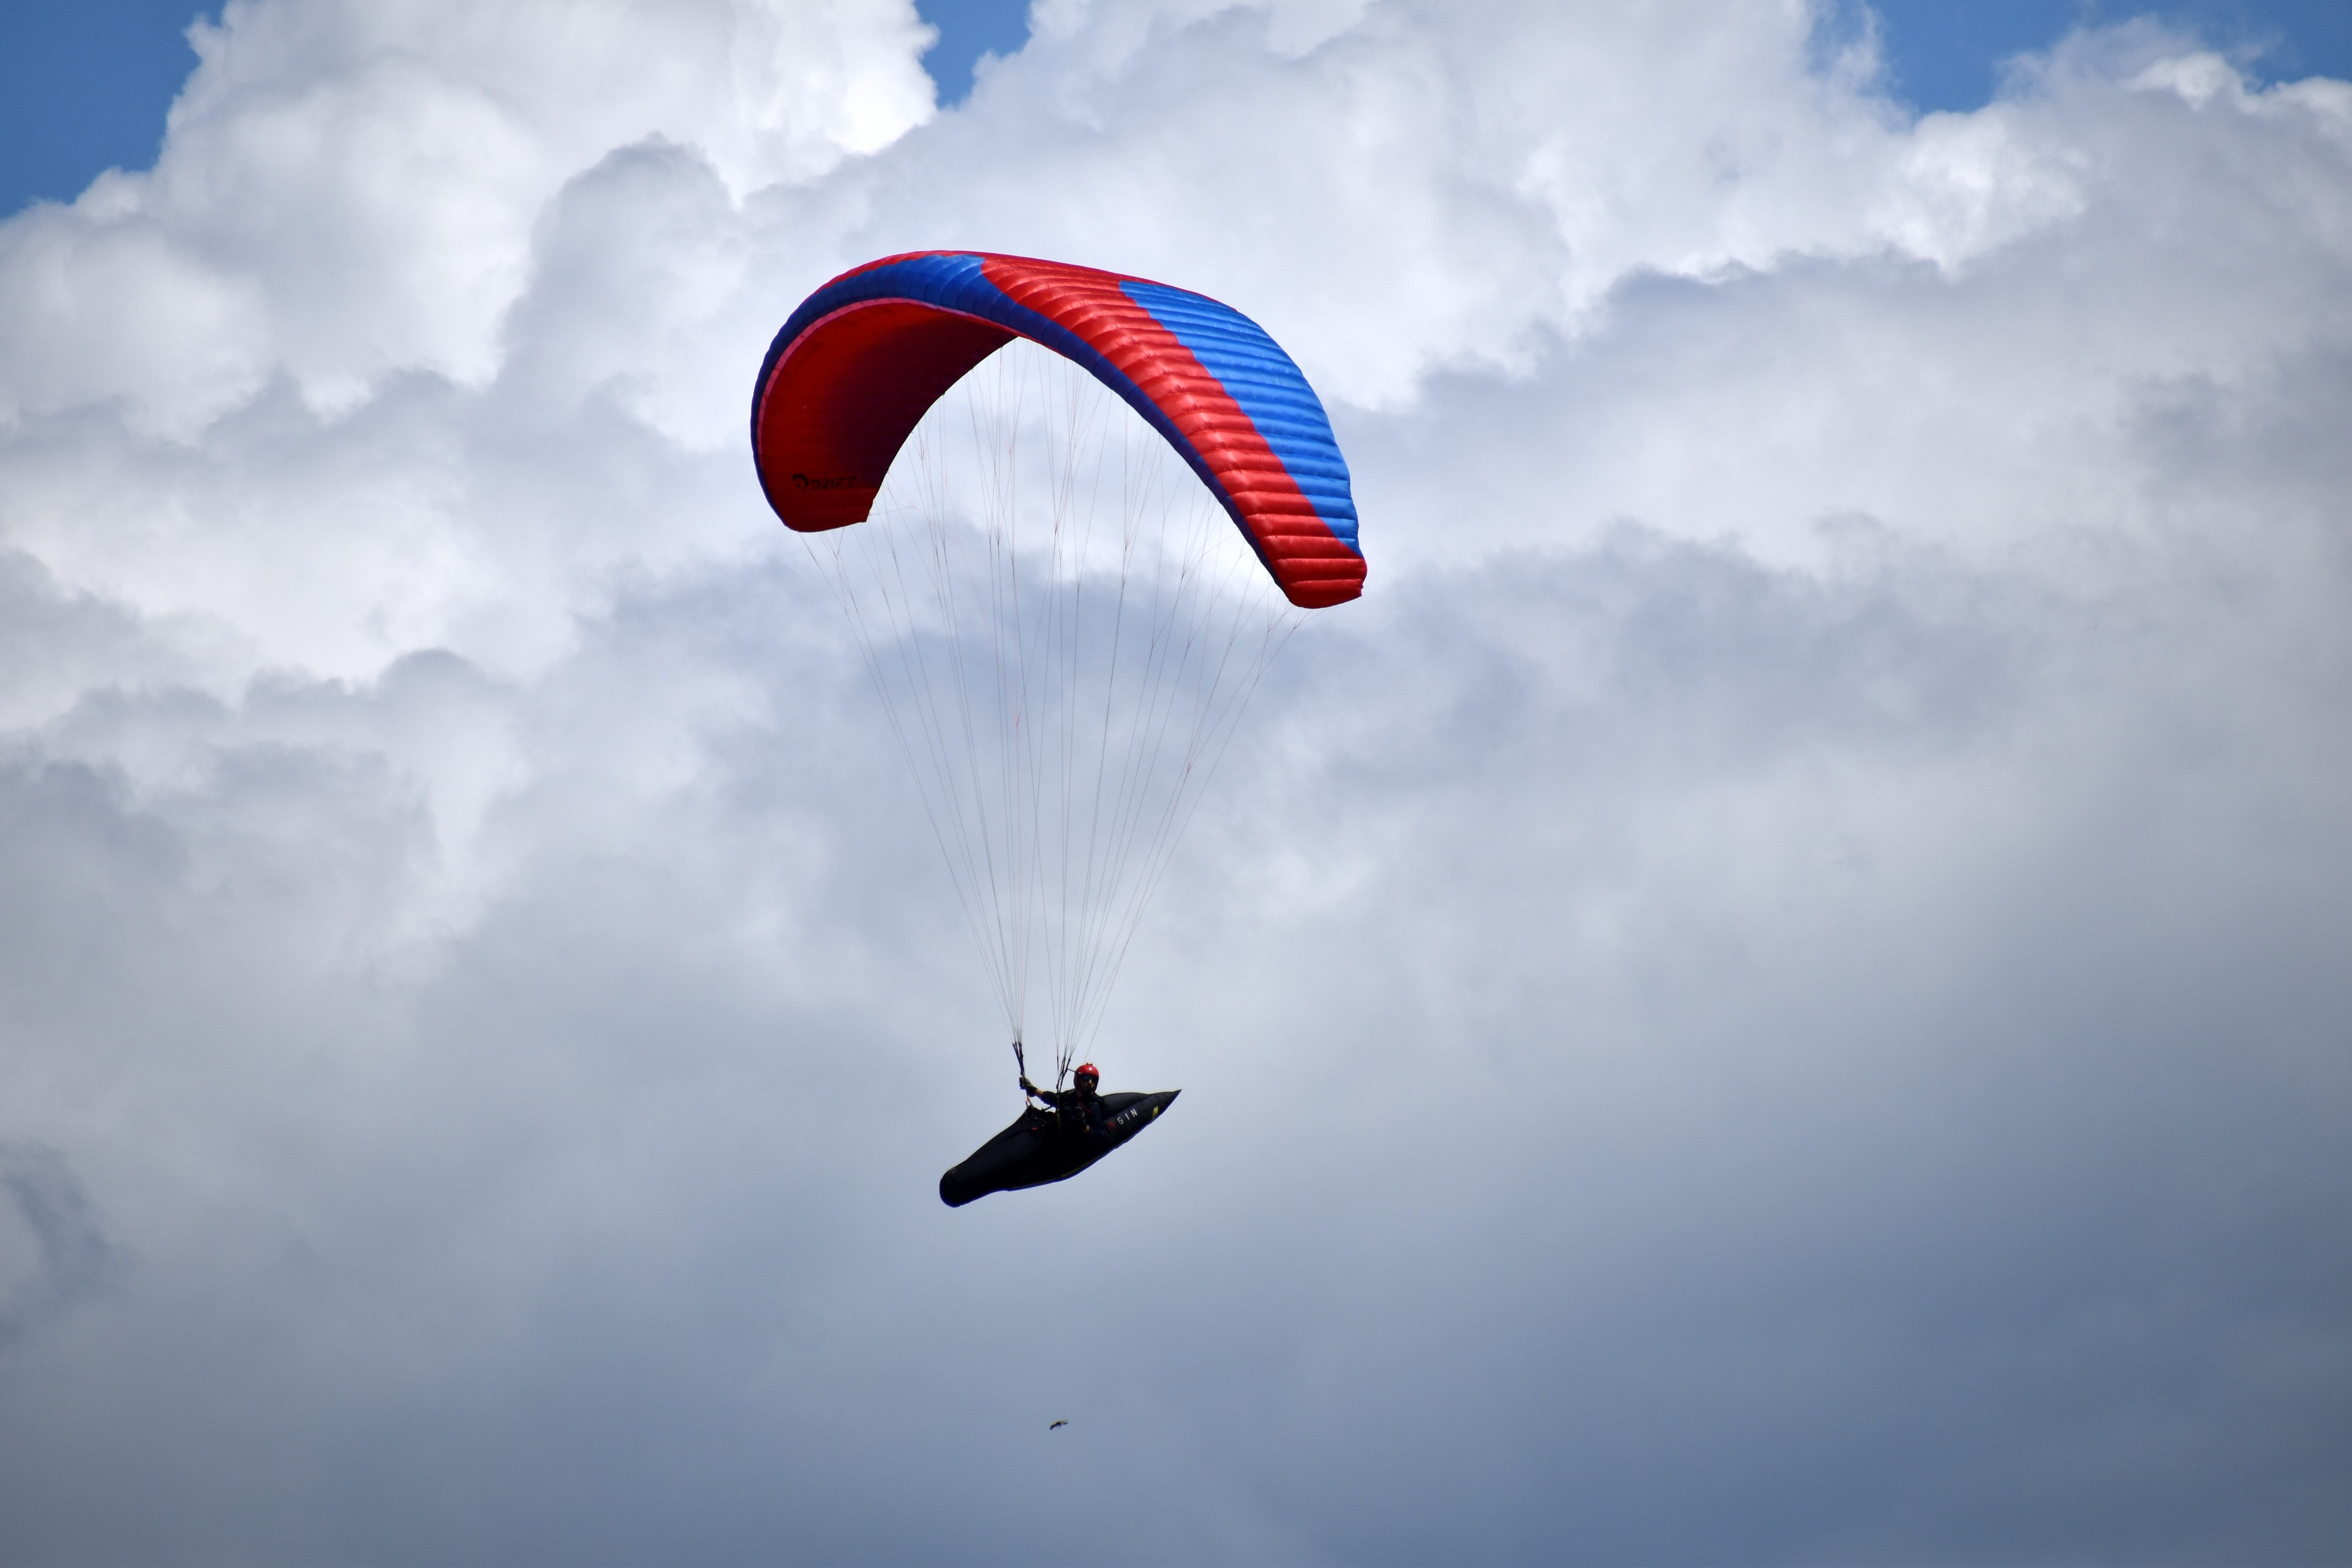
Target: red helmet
[[1087, 1076]]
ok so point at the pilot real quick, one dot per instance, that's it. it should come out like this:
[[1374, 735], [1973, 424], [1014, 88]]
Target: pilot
[[1080, 1107]]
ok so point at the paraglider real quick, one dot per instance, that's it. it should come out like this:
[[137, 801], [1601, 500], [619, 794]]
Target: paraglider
[[1062, 627], [1078, 1106], [1040, 1148]]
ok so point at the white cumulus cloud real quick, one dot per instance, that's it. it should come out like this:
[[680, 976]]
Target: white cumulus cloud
[[1773, 991]]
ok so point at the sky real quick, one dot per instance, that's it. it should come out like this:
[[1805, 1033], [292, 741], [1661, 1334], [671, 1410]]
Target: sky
[[1773, 991], [84, 88]]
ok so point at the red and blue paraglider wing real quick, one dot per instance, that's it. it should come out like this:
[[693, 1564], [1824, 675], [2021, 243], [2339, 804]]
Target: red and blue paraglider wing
[[862, 359]]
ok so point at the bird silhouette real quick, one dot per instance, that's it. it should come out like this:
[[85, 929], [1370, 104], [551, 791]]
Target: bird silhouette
[[1057, 1424]]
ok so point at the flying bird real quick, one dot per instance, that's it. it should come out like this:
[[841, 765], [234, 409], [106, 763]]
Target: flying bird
[[1057, 1424]]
